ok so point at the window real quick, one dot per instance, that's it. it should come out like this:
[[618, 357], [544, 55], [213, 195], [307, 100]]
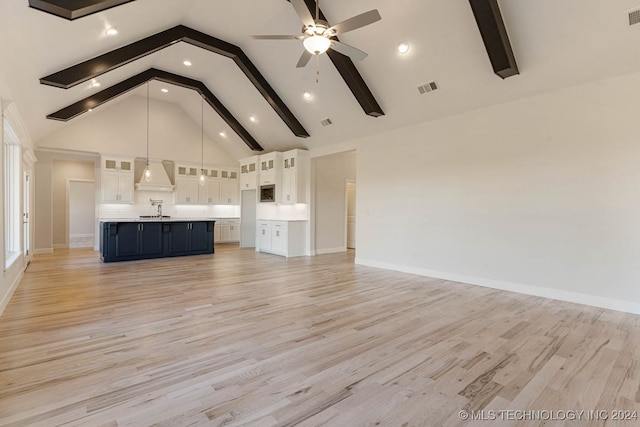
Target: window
[[12, 221]]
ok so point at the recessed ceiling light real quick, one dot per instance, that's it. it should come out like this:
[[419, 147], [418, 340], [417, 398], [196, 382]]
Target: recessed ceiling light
[[187, 63], [403, 47], [253, 119], [307, 95], [111, 31], [164, 90], [90, 110], [95, 84], [222, 134]]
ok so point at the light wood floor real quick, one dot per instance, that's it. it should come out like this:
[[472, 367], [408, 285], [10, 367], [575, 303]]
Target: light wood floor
[[239, 338]]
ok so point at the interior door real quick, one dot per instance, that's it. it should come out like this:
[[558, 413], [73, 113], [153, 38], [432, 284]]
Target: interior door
[[25, 218], [351, 215]]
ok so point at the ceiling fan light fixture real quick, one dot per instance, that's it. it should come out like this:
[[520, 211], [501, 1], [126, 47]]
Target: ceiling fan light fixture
[[403, 47], [316, 44]]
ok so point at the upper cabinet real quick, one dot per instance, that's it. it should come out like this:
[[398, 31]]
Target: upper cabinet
[[117, 180], [221, 186], [270, 168], [249, 173], [295, 172]]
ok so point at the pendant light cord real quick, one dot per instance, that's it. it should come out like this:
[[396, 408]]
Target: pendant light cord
[[202, 135], [147, 124]]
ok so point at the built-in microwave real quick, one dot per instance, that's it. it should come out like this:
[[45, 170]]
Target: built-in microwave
[[268, 193]]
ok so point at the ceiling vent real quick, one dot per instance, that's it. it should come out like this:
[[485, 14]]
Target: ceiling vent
[[428, 87], [634, 17], [326, 122]]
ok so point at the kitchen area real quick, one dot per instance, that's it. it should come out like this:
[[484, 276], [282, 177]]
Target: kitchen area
[[183, 208]]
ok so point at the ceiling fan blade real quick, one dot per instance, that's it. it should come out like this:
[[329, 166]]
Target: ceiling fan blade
[[304, 14], [348, 50], [304, 59], [356, 22], [276, 37]]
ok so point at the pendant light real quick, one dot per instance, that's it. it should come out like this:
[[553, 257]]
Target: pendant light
[[147, 171], [202, 171]]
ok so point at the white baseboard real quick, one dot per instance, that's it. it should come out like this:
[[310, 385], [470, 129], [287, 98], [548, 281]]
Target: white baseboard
[[7, 297], [557, 294], [330, 250], [43, 251]]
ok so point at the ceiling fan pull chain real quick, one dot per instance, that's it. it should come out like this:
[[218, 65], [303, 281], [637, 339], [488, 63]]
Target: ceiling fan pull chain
[[317, 68]]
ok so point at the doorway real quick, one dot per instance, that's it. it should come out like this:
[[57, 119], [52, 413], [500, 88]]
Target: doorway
[[248, 219], [26, 236], [81, 213], [351, 214]]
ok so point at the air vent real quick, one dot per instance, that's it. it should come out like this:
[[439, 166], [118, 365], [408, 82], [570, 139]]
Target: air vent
[[326, 122], [634, 17], [428, 87]]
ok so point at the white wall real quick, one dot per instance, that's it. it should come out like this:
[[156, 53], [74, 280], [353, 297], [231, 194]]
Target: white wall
[[331, 175], [120, 128], [540, 196]]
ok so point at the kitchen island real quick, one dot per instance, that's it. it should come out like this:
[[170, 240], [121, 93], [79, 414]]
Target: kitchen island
[[155, 237]]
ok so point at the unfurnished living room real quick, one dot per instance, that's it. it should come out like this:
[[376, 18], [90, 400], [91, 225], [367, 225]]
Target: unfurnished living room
[[319, 213]]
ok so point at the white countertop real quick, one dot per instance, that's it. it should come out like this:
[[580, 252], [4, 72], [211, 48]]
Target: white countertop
[[173, 219]]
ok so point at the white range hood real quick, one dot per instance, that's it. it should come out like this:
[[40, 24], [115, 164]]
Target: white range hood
[[159, 179]]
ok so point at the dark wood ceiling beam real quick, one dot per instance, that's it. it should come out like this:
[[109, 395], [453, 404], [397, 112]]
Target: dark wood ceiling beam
[[350, 74], [109, 61], [84, 105], [495, 37], [73, 9]]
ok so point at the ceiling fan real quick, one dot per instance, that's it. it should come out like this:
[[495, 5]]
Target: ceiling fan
[[317, 36]]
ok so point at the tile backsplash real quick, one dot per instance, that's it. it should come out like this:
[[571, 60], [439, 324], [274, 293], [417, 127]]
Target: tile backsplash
[[142, 206]]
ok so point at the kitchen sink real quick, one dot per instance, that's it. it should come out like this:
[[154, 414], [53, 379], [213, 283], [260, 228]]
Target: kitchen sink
[[154, 217]]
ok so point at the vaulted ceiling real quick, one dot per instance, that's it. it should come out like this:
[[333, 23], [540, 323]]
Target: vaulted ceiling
[[556, 43]]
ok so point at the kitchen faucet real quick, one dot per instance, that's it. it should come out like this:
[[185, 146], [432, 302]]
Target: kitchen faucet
[[159, 204]]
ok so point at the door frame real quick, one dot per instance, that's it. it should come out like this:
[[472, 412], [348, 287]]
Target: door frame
[[67, 239], [346, 210]]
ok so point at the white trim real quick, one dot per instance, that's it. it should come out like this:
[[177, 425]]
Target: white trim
[[574, 297], [44, 251], [330, 250], [9, 294]]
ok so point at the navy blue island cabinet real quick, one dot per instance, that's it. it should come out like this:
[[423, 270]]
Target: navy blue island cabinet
[[132, 240]]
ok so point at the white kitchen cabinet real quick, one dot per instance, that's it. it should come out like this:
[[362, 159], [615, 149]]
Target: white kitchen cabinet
[[186, 191], [209, 192], [249, 173], [227, 230], [286, 238], [229, 187], [116, 180], [271, 169], [295, 172]]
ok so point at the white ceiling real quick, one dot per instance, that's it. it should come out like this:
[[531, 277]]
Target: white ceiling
[[557, 43]]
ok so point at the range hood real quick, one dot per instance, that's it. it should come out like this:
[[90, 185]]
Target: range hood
[[159, 179]]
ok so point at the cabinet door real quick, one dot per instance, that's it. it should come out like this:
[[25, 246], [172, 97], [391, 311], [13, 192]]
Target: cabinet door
[[224, 192], [264, 238], [125, 187], [203, 192], [214, 191], [234, 233], [279, 240], [234, 189], [288, 186], [109, 187], [225, 230], [200, 237], [193, 186], [179, 238], [127, 239], [216, 233], [150, 238]]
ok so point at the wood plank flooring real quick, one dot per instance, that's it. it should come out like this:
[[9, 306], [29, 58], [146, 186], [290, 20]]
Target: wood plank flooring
[[240, 338]]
